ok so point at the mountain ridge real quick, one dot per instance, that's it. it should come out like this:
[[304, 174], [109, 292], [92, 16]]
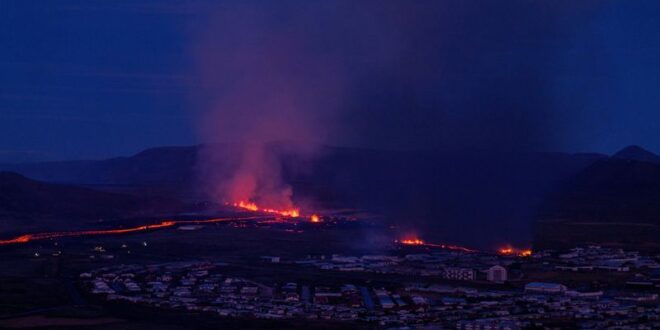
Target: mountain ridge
[[635, 152], [611, 202], [437, 193]]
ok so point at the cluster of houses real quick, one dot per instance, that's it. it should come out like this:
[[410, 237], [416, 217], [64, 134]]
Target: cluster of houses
[[593, 258], [451, 265], [204, 288], [644, 270]]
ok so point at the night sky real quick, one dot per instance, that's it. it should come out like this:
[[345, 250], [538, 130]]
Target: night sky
[[95, 79]]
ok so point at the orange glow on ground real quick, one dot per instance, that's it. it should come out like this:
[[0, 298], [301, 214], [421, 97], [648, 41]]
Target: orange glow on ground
[[419, 242], [413, 241], [505, 251], [19, 239], [511, 251], [315, 218], [164, 224]]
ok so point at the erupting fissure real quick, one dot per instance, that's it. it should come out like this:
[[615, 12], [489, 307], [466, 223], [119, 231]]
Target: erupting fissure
[[290, 213], [250, 206]]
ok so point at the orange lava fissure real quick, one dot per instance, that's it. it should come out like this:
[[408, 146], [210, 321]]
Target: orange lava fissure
[[250, 206], [164, 224]]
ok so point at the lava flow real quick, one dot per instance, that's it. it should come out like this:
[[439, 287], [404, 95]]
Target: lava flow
[[419, 242], [167, 223], [250, 206], [510, 251], [39, 236]]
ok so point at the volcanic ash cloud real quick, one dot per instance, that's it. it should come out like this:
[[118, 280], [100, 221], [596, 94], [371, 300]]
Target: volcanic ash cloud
[[263, 87]]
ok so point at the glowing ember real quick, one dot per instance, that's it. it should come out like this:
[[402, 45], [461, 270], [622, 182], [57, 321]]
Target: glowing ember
[[293, 213], [510, 251], [412, 242], [505, 251], [315, 218], [419, 242]]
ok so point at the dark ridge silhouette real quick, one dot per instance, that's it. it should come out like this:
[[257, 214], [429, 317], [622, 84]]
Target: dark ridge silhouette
[[26, 205], [156, 166], [637, 153], [474, 198], [612, 202]]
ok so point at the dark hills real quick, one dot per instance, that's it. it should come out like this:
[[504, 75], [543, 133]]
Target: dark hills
[[26, 202], [481, 199], [637, 153], [29, 204], [615, 201], [475, 198], [156, 166]]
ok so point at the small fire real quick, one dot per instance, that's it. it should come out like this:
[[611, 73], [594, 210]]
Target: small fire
[[510, 251], [413, 241], [250, 206], [505, 251], [419, 242], [315, 218]]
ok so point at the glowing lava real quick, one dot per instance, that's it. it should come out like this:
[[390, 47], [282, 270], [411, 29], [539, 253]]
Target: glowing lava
[[246, 205], [292, 213], [510, 251], [419, 242], [412, 242], [164, 224], [250, 206], [19, 239], [315, 218], [40, 236]]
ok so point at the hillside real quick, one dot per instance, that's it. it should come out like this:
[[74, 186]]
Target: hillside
[[156, 166], [614, 201], [437, 194], [29, 204], [637, 153]]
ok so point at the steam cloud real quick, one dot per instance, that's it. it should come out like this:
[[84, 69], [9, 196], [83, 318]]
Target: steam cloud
[[266, 89], [385, 73]]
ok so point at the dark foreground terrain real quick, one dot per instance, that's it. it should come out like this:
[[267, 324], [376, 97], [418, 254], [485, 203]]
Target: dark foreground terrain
[[60, 283]]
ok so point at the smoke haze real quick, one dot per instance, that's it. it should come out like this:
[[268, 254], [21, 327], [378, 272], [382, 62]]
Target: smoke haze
[[390, 74], [266, 87]]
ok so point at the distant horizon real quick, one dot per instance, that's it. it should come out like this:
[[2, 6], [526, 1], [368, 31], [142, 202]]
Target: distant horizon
[[5, 157], [87, 81]]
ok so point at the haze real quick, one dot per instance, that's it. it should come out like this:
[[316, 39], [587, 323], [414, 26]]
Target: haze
[[96, 80]]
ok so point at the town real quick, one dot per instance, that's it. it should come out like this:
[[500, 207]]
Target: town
[[446, 288]]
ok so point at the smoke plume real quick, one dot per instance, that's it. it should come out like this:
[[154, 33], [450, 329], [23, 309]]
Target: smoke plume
[[267, 90], [385, 74]]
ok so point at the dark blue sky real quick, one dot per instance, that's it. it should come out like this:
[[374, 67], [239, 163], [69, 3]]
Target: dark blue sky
[[92, 79]]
